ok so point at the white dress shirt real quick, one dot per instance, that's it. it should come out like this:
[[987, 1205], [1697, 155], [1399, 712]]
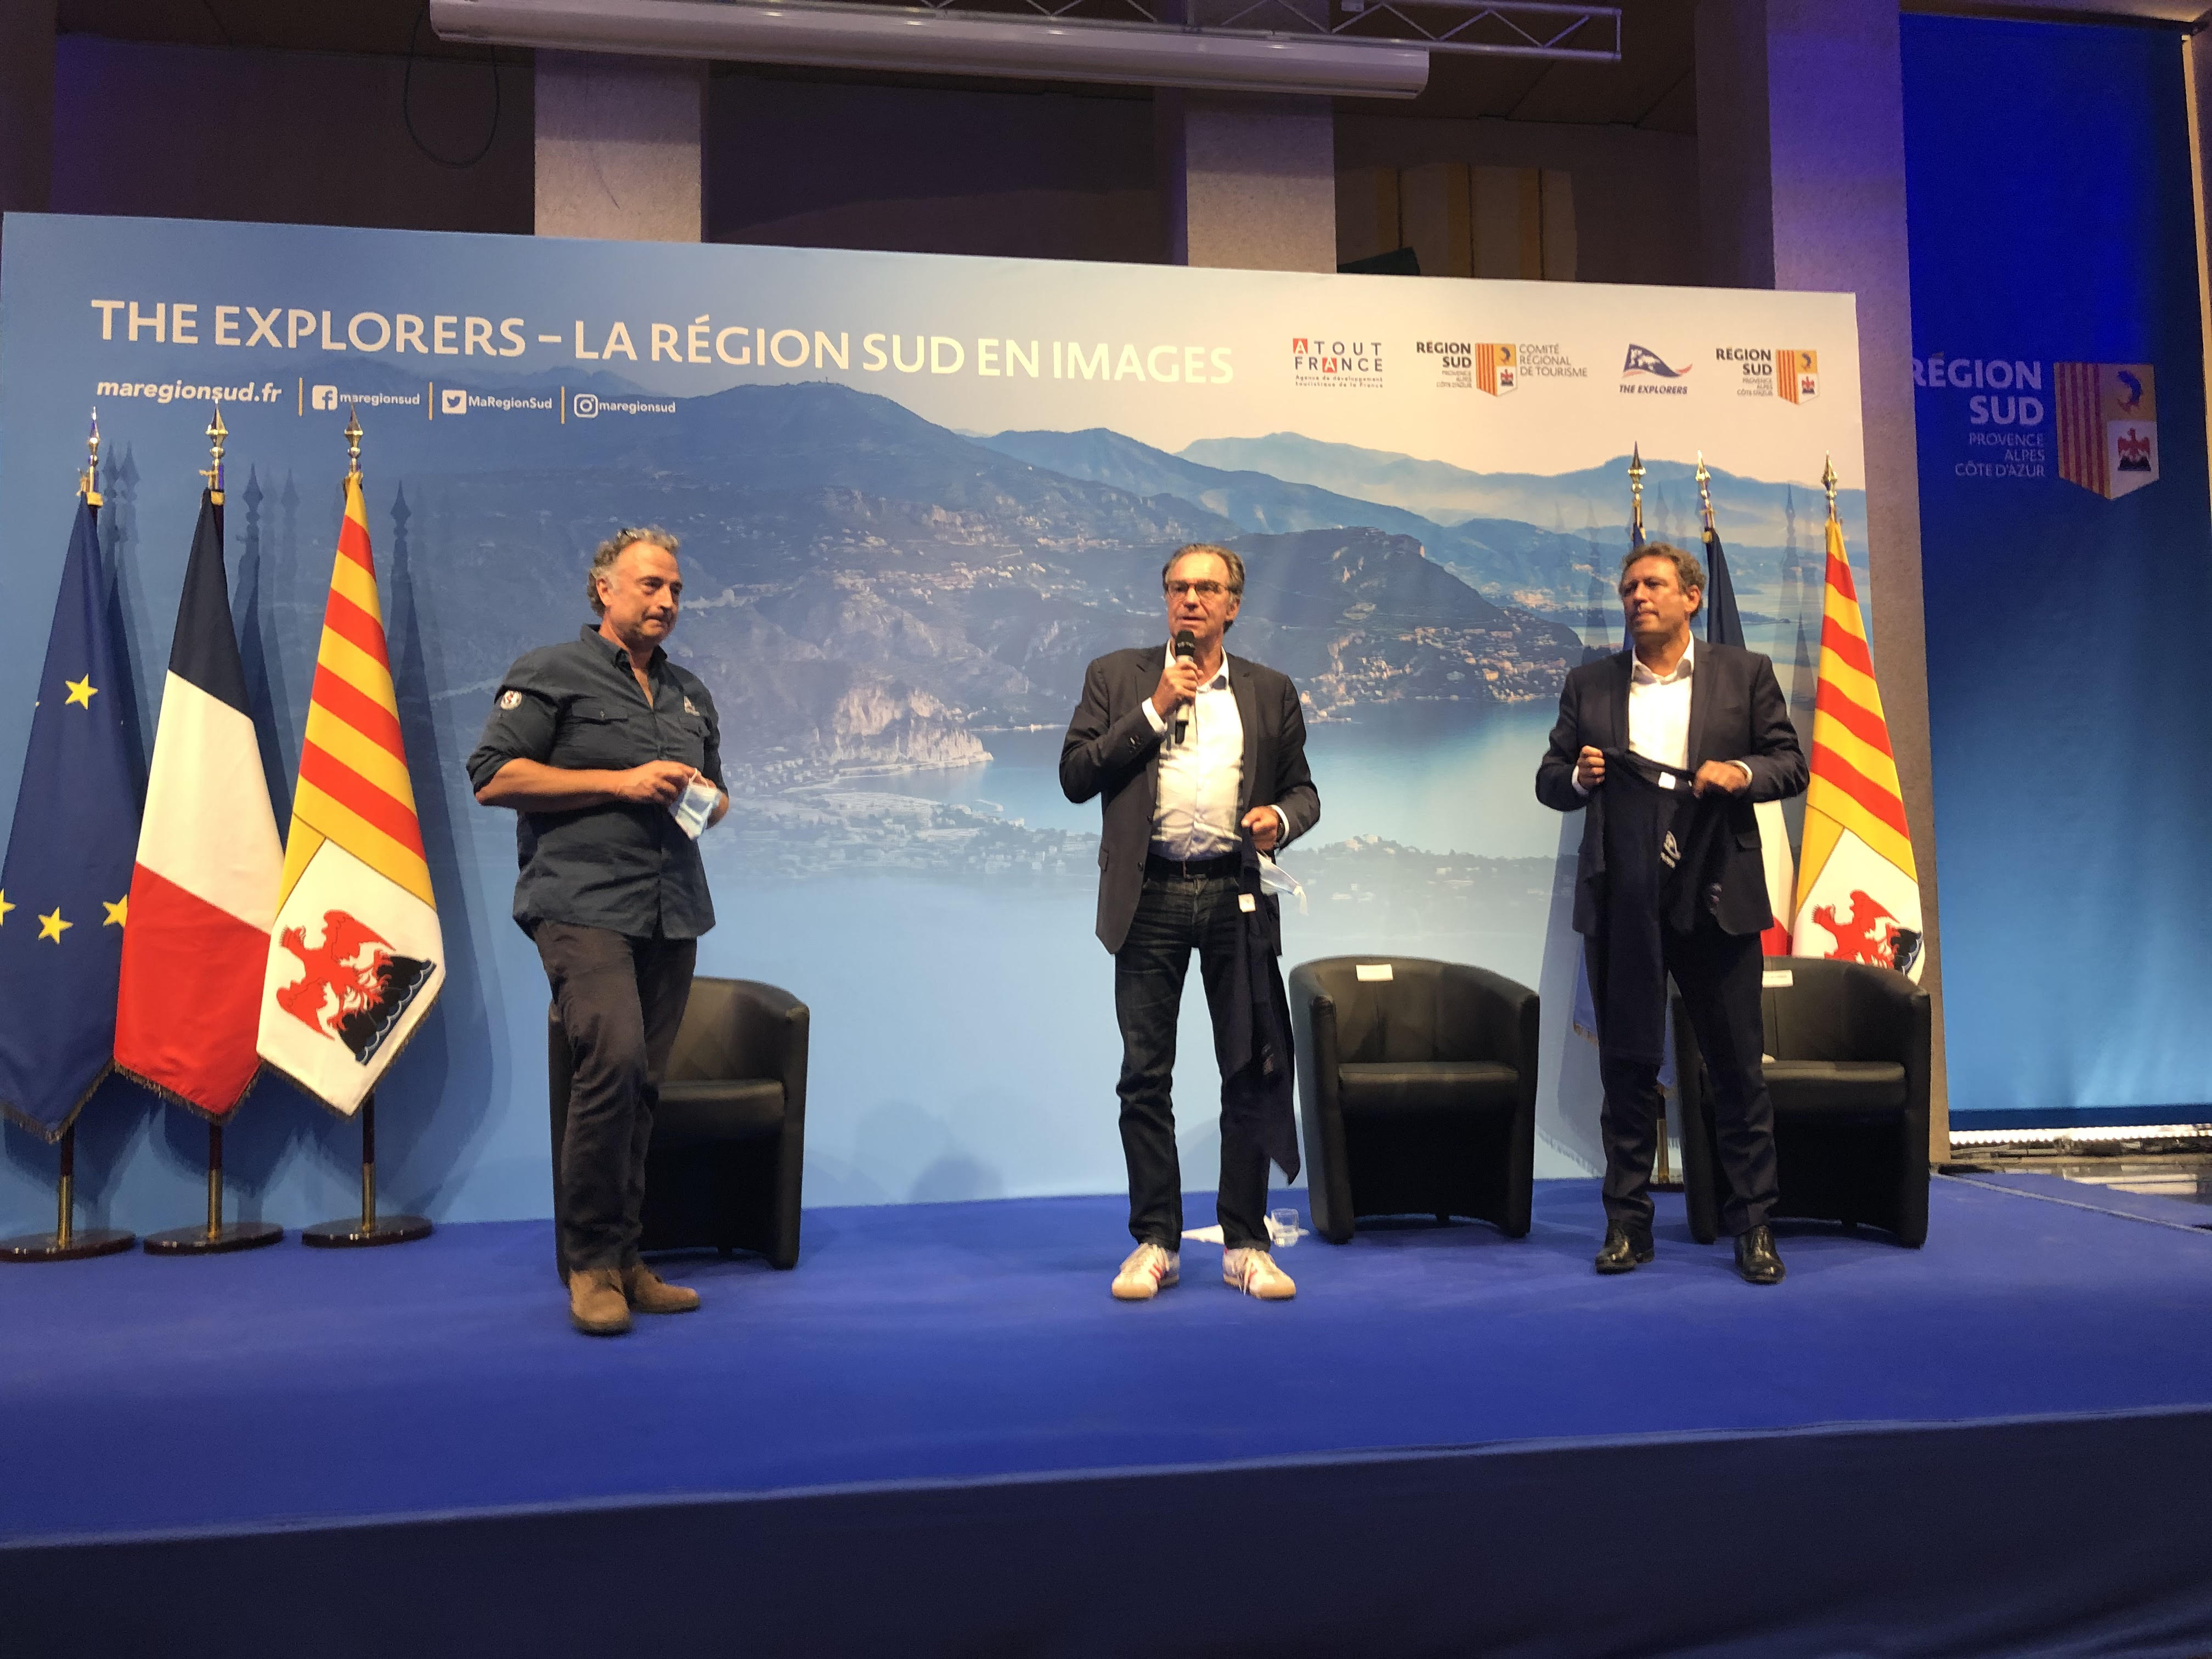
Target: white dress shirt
[[1201, 777], [1659, 713], [1659, 710]]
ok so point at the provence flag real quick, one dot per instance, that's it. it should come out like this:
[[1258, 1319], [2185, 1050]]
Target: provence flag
[[65, 888], [1724, 626], [1858, 894], [357, 958]]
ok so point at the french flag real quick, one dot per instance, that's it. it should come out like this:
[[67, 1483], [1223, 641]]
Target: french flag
[[203, 892]]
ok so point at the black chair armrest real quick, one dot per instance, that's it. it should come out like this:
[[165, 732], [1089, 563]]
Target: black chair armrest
[[776, 1028], [1494, 1012], [1887, 1016], [1313, 1021]]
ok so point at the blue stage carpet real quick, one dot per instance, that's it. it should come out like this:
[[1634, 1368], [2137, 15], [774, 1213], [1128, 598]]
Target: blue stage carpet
[[2046, 1368]]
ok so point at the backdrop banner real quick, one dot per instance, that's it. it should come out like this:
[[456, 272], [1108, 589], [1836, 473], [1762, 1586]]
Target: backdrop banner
[[916, 495], [2059, 392]]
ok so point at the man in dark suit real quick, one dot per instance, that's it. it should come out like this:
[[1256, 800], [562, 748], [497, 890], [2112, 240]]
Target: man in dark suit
[[1669, 746], [1192, 753]]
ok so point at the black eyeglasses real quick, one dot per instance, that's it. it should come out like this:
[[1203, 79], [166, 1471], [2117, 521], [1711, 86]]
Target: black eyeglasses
[[1205, 590]]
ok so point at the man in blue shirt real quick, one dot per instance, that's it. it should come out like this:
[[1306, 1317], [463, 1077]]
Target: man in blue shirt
[[594, 743]]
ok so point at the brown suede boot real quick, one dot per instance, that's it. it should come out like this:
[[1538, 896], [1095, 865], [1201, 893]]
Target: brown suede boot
[[647, 1294], [596, 1306]]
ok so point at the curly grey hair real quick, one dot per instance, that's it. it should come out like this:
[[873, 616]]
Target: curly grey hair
[[603, 562]]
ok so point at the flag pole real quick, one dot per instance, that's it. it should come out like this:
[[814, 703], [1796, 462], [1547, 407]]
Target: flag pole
[[371, 1229], [214, 1239], [67, 1243], [1636, 495]]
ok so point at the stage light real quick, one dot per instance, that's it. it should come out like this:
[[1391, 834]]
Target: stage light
[[865, 37]]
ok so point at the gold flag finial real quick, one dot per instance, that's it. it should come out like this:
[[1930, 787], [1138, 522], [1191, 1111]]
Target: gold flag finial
[[88, 483], [1636, 494], [1705, 491], [217, 432], [1828, 479], [353, 441]]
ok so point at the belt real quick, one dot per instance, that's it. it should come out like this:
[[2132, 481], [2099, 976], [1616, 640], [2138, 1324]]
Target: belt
[[1219, 866]]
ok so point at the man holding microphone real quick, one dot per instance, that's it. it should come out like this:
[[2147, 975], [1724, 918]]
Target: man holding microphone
[[1191, 751], [611, 757]]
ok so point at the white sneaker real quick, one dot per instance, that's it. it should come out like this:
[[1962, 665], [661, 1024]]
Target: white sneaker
[[1254, 1273], [1148, 1271]]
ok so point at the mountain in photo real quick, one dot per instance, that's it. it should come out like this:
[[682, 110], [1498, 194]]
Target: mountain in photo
[[1750, 510], [868, 592]]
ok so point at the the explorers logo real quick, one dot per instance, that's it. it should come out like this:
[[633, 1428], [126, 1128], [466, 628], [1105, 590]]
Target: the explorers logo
[[1789, 372], [1645, 371], [1335, 359]]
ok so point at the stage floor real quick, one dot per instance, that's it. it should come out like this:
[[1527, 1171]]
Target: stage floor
[[287, 1391], [143, 1395]]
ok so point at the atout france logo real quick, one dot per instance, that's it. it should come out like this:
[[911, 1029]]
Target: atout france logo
[[1335, 359]]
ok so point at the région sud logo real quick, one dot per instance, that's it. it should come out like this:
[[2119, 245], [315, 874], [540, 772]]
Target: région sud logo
[[1791, 374], [2102, 419], [1336, 361]]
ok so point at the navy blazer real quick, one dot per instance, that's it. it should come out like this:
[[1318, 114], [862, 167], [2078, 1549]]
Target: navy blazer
[[1111, 750], [1737, 712]]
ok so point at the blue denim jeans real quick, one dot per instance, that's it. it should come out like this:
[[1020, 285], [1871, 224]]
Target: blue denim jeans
[[1175, 915]]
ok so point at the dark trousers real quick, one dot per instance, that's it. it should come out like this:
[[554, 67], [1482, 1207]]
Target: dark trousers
[[1176, 914], [1719, 976], [620, 999]]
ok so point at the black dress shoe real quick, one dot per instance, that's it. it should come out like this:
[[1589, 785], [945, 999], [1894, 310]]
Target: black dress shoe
[[1623, 1252], [1756, 1258]]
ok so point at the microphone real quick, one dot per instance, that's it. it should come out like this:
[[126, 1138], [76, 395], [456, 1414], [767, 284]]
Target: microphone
[[1186, 648]]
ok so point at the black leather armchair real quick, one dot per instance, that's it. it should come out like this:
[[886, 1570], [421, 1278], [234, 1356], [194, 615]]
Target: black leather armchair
[[1419, 1091], [1850, 1079], [729, 1136]]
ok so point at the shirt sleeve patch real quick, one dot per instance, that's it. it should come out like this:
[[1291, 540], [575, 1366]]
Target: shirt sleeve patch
[[510, 699]]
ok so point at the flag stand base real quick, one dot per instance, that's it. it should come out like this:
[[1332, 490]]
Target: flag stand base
[[215, 1238], [368, 1228], [67, 1243]]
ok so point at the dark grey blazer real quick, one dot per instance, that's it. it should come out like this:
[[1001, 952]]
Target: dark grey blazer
[[1737, 712], [1111, 750]]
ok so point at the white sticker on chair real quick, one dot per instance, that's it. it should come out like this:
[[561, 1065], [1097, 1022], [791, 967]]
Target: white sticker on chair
[[1368, 972], [1777, 979]]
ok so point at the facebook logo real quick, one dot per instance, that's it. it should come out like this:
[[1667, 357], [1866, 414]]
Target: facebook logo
[[323, 396], [452, 400]]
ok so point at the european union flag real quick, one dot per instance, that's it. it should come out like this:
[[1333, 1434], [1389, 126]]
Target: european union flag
[[65, 888]]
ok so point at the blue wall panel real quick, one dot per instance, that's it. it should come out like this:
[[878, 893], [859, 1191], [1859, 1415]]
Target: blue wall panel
[[2052, 224]]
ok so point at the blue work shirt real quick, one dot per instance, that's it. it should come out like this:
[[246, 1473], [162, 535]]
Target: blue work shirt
[[625, 865]]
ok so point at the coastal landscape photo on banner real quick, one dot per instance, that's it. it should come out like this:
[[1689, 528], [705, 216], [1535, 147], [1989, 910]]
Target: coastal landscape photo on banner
[[916, 495]]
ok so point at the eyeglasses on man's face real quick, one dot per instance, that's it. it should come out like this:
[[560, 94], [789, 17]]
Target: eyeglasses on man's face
[[1205, 590]]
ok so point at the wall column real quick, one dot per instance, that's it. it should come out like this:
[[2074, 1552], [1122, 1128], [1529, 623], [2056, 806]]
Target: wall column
[[1801, 149], [26, 106], [1249, 182], [621, 148]]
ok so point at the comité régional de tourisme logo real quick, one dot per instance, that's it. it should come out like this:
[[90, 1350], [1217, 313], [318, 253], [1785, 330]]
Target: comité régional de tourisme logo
[[1335, 359], [352, 988], [1645, 371]]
